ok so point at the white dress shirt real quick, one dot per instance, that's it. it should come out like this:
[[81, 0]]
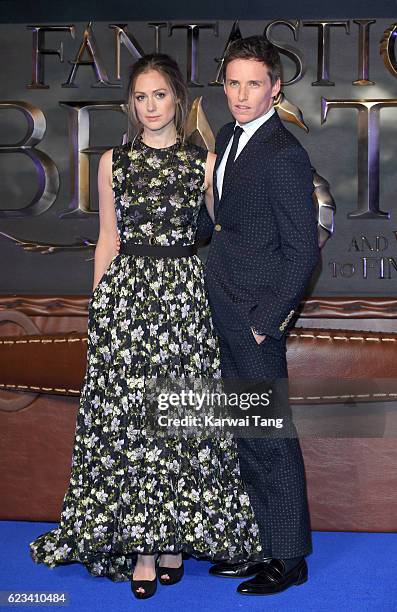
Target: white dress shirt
[[249, 130]]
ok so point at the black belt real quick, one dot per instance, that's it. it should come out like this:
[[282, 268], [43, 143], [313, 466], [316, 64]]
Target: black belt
[[158, 252]]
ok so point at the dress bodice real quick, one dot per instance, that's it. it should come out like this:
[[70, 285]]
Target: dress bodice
[[158, 192]]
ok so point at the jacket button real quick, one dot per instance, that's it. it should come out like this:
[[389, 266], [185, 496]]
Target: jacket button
[[218, 227]]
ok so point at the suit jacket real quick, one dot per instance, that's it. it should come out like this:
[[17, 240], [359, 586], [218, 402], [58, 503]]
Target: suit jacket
[[265, 244]]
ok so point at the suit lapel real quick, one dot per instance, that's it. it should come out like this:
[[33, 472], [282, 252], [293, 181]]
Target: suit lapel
[[219, 157], [261, 135]]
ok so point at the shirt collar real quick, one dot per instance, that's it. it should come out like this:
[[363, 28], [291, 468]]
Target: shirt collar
[[251, 127]]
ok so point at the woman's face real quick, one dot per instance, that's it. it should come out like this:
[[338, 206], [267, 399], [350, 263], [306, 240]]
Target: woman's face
[[154, 101]]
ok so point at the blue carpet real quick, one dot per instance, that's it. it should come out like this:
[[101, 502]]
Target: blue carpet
[[347, 572]]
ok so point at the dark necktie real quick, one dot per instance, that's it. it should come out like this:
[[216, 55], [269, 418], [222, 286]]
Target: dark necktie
[[232, 154]]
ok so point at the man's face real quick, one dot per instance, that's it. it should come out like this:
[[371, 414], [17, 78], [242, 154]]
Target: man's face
[[248, 89]]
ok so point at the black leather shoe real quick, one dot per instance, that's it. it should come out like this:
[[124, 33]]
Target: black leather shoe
[[237, 570], [273, 579]]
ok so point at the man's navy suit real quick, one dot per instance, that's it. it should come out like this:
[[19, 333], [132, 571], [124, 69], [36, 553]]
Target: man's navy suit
[[263, 251]]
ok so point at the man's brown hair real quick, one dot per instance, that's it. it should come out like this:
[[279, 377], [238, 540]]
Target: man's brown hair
[[257, 48]]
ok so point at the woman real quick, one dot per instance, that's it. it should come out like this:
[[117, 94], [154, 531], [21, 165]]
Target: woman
[[134, 497]]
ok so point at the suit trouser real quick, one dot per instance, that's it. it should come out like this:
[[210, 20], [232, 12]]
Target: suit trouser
[[271, 467]]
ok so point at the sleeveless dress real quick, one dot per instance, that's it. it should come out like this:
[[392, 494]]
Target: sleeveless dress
[[130, 492]]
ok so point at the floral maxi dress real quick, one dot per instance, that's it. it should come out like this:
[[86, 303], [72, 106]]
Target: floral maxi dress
[[129, 492]]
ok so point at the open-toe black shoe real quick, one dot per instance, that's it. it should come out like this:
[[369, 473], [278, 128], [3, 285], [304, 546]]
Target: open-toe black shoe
[[175, 574], [150, 587]]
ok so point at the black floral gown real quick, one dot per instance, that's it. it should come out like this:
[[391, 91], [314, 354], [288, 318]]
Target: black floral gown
[[130, 492]]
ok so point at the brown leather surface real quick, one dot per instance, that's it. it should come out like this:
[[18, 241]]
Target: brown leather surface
[[321, 307], [36, 447], [319, 361], [44, 363], [46, 305], [327, 365], [352, 483], [349, 308], [342, 353]]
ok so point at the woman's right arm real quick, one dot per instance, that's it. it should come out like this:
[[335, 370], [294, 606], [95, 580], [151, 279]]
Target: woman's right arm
[[209, 192], [106, 247]]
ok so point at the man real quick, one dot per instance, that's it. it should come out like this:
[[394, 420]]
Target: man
[[263, 251]]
